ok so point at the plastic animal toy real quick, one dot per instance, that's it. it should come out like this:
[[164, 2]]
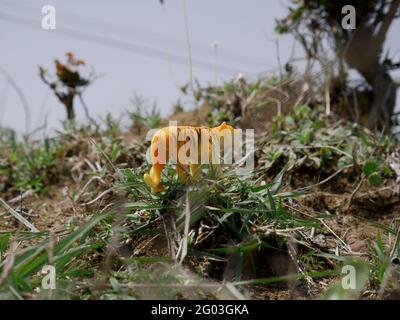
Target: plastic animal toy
[[178, 142]]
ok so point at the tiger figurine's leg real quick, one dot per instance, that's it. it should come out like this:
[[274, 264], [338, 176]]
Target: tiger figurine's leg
[[182, 172], [153, 178], [195, 171]]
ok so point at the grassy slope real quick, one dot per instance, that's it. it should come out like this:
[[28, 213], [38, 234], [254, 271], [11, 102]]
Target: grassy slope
[[324, 193]]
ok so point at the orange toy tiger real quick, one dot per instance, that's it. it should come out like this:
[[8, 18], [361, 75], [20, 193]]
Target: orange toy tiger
[[188, 146]]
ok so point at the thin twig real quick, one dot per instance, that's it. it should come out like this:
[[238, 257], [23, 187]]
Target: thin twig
[[26, 194], [9, 262], [104, 155], [345, 245], [186, 230], [355, 190], [85, 108], [87, 185], [396, 243], [98, 197], [325, 180], [18, 216], [189, 46], [21, 95]]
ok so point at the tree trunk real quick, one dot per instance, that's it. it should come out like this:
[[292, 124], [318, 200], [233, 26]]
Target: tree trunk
[[383, 104], [69, 106], [363, 52]]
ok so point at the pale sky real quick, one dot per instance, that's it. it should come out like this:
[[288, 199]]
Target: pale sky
[[138, 47]]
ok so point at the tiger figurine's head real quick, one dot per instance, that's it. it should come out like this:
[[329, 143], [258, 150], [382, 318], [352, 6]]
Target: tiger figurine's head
[[188, 145]]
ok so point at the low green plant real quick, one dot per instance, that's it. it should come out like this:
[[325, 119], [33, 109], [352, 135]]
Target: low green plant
[[23, 277], [33, 165], [374, 169], [308, 138], [144, 115]]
